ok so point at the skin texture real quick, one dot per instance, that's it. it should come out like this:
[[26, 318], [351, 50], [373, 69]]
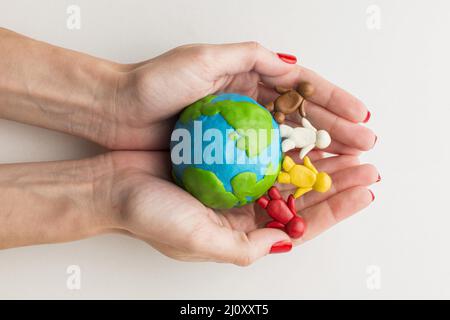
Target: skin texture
[[133, 107]]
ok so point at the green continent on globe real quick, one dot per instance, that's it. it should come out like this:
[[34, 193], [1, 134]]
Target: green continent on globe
[[248, 119], [193, 111], [205, 186], [245, 185]]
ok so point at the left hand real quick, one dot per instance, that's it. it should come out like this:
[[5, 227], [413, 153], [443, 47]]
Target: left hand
[[144, 203], [150, 94]]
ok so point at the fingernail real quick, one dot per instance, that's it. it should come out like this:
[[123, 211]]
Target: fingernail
[[379, 178], [373, 196], [367, 117], [288, 58], [281, 246], [375, 142]]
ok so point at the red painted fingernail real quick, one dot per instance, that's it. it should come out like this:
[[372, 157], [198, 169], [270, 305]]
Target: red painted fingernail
[[367, 117], [281, 247], [379, 178], [288, 58], [373, 196]]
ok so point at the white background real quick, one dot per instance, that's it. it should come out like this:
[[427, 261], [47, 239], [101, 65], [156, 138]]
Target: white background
[[401, 71]]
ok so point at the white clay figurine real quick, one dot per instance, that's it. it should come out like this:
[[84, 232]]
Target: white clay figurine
[[306, 138]]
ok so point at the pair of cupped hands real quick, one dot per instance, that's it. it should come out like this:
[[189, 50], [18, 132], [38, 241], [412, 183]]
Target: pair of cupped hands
[[150, 95]]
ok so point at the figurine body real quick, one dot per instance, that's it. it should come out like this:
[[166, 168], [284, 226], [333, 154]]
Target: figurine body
[[283, 212], [305, 177], [290, 101], [305, 138]]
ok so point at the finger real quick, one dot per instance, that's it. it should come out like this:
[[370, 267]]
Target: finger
[[336, 163], [167, 250], [342, 130], [245, 84], [330, 165], [325, 94], [339, 148], [335, 146], [362, 175], [266, 95], [235, 58], [326, 214], [222, 244], [313, 155]]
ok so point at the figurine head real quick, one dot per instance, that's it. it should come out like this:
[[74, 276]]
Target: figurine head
[[323, 182], [305, 89], [323, 139]]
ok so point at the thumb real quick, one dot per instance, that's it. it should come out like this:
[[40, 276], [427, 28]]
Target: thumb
[[241, 248], [235, 58]]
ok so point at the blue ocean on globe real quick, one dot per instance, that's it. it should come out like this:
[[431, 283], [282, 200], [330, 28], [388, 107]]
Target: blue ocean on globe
[[234, 161]]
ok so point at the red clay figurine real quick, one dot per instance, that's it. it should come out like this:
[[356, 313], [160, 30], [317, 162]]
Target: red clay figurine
[[283, 212]]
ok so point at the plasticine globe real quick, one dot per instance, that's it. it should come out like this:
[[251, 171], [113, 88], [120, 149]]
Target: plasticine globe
[[226, 150]]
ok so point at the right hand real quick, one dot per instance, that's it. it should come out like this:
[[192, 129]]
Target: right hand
[[147, 205]]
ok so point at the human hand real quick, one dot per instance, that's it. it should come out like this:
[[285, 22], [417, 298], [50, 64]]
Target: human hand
[[145, 204], [150, 94], [134, 106]]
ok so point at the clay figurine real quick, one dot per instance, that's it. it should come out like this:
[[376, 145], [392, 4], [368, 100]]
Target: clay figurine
[[290, 101], [305, 177], [283, 212], [306, 138]]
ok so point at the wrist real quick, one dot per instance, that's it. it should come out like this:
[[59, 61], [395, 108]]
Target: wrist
[[109, 175], [115, 114], [50, 202], [57, 88], [97, 117]]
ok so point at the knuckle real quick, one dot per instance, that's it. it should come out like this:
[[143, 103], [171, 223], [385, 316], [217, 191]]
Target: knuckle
[[183, 48], [243, 261], [243, 256], [202, 53], [197, 52], [253, 45]]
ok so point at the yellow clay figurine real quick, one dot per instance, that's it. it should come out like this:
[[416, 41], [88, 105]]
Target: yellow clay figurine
[[305, 177]]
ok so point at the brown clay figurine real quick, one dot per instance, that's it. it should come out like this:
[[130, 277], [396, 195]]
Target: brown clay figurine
[[289, 101]]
